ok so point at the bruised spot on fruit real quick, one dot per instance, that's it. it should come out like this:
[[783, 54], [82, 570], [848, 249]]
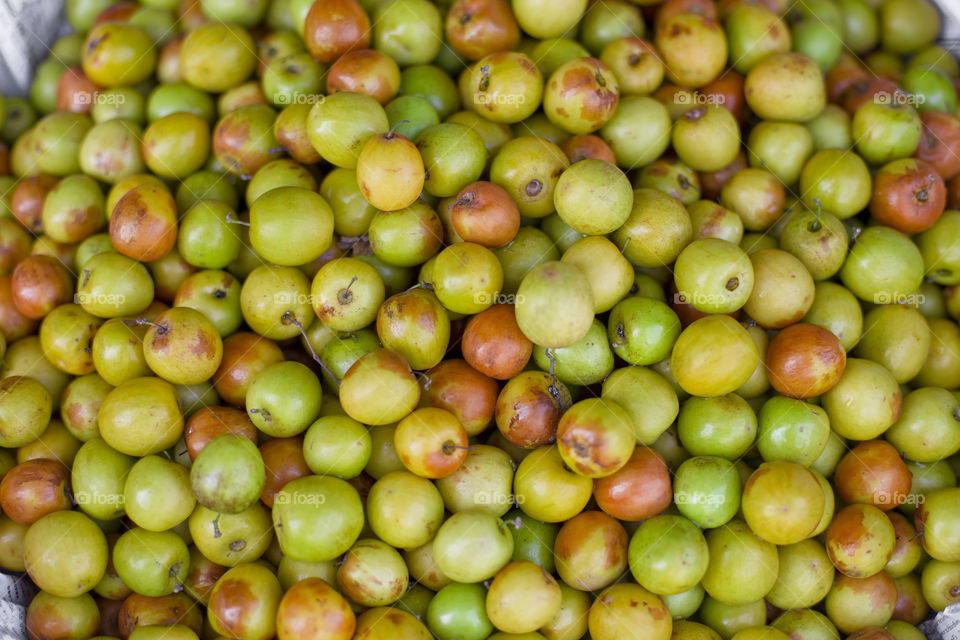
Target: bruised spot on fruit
[[202, 346], [527, 64], [896, 405], [232, 603], [677, 29], [238, 545]]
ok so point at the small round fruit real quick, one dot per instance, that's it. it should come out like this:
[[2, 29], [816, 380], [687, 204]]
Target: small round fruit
[[279, 210], [390, 171], [713, 356], [554, 305], [786, 86], [805, 360], [782, 502]]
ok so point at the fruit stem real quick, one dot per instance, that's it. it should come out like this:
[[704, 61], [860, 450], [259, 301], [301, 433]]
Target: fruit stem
[[686, 184], [814, 226], [449, 447], [624, 247], [389, 134], [232, 220], [465, 200], [161, 328], [289, 318], [924, 194], [344, 296], [426, 385], [599, 77], [485, 81], [553, 389]]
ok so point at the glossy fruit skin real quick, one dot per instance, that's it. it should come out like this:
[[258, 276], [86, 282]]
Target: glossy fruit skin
[[693, 47], [381, 184], [873, 473], [117, 54], [847, 593], [878, 409], [367, 561], [244, 602], [529, 408], [528, 168], [295, 516], [860, 540], [908, 195], [585, 87], [365, 383], [335, 28], [152, 563], [940, 133], [458, 611], [143, 224], [838, 180], [754, 31], [732, 352], [656, 231], [805, 361], [924, 432], [785, 86], [39, 284], [554, 305], [476, 28], [714, 275], [734, 583], [228, 475], [215, 57], [785, 506], [882, 281], [593, 197], [156, 495], [34, 488], [611, 615], [595, 437], [485, 213], [271, 214], [707, 490], [243, 139], [642, 330], [311, 600], [463, 391], [176, 145], [522, 598], [149, 426], [74, 564], [668, 555], [936, 523]]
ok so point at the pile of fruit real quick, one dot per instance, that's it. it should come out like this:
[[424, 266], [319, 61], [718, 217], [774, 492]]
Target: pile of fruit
[[467, 319]]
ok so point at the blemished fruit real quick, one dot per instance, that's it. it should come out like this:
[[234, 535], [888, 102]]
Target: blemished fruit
[[483, 320]]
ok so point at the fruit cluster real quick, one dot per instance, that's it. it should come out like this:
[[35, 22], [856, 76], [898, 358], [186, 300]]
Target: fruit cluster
[[468, 319]]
